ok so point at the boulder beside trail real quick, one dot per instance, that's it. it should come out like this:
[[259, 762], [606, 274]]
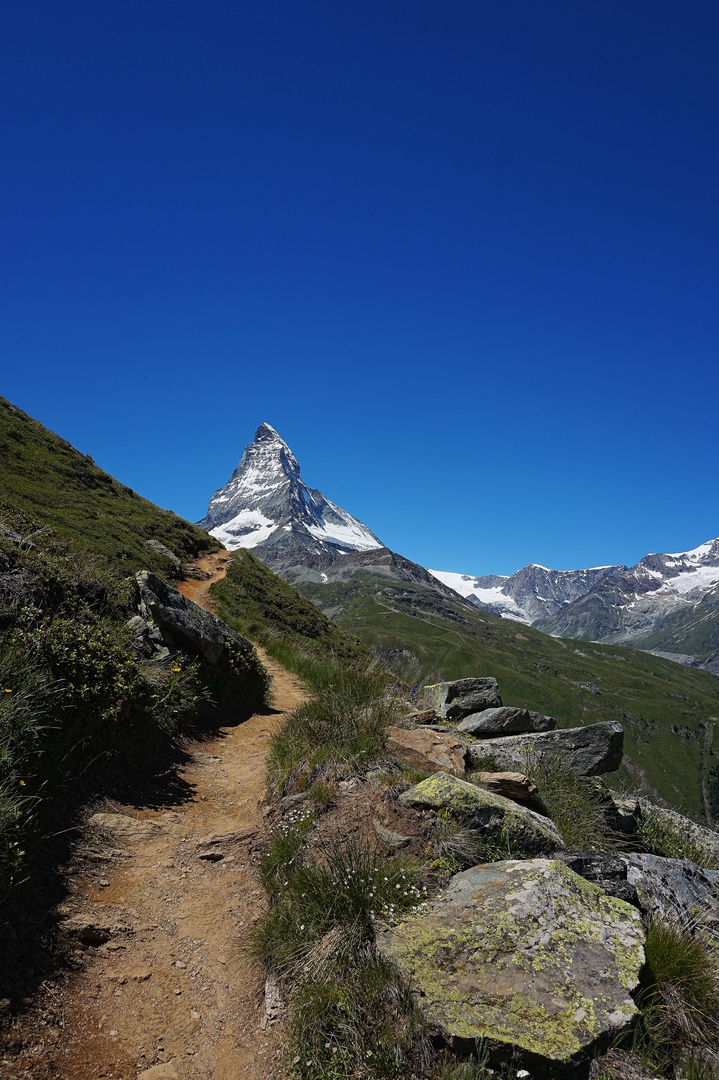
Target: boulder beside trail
[[430, 750], [505, 720], [455, 700], [589, 751], [522, 829], [524, 955], [188, 623]]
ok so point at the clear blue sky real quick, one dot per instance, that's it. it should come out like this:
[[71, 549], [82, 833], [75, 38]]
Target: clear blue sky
[[463, 256]]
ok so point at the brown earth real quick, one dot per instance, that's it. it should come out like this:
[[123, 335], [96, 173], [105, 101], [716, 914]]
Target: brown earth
[[170, 990]]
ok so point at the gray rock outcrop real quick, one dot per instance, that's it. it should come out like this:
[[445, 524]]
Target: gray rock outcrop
[[188, 623], [505, 720], [455, 700], [485, 811], [675, 890], [589, 751], [524, 955]]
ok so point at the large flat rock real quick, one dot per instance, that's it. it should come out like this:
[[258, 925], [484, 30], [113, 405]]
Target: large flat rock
[[590, 751], [505, 720], [190, 625], [455, 700], [430, 750], [525, 955], [492, 814]]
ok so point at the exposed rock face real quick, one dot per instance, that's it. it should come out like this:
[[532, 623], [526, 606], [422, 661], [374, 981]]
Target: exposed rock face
[[609, 872], [505, 721], [455, 700], [526, 955], [511, 785], [267, 506], [159, 548], [431, 750], [199, 630], [703, 840], [121, 827], [485, 811], [676, 890], [590, 750]]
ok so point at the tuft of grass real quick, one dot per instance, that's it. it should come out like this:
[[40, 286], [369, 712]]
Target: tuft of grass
[[321, 794], [659, 837], [284, 854], [456, 846], [352, 1015], [679, 998], [576, 804], [343, 725]]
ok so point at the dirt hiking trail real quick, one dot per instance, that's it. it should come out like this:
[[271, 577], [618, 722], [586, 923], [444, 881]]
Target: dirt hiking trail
[[170, 995]]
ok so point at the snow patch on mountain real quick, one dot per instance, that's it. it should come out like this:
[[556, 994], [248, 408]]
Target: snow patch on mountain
[[266, 504]]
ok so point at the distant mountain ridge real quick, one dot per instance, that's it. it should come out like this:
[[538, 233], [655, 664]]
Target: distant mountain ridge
[[666, 603]]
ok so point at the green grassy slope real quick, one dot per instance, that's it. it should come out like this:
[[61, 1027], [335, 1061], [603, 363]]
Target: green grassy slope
[[259, 604], [663, 706], [57, 486]]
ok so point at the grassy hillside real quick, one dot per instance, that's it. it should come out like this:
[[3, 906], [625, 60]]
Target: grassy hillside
[[664, 707], [253, 600], [47, 479]]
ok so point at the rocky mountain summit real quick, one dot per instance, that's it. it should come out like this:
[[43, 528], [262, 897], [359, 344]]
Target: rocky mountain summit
[[265, 505], [667, 604]]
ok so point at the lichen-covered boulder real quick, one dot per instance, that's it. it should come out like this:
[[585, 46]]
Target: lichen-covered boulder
[[505, 721], [192, 626], [430, 750], [525, 955], [523, 829], [455, 700], [589, 751], [675, 890]]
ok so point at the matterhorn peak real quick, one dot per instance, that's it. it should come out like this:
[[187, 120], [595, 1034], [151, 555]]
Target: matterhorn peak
[[266, 505], [266, 433]]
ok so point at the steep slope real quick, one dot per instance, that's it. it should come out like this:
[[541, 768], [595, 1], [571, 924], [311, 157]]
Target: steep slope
[[425, 636], [46, 478], [265, 505]]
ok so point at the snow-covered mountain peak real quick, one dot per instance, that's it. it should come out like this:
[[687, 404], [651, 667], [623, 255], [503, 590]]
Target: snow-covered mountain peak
[[266, 504]]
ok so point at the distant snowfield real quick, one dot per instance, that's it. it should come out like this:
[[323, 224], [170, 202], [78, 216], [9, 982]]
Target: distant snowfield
[[245, 530], [355, 537], [467, 586]]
